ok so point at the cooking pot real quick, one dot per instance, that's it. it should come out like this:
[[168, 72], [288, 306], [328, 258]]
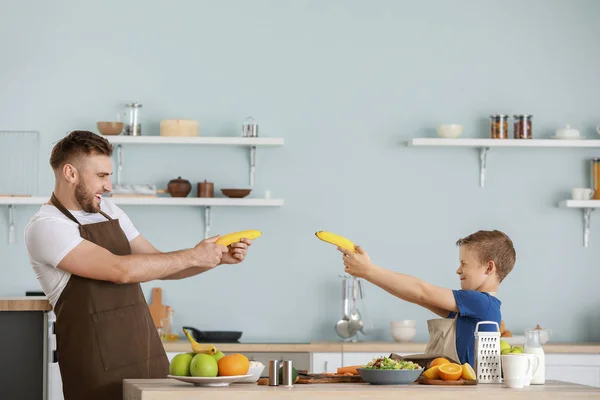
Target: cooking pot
[[179, 187]]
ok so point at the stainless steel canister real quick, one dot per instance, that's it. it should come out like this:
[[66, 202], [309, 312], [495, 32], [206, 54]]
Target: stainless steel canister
[[273, 372], [288, 376]]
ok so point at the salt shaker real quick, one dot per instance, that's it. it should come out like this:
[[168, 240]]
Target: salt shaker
[[273, 372], [288, 374]]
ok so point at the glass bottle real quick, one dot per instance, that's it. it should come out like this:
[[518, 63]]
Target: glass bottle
[[596, 178], [522, 126], [499, 126], [533, 346]]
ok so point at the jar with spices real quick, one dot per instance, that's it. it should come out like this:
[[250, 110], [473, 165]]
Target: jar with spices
[[499, 126], [596, 178], [522, 126]]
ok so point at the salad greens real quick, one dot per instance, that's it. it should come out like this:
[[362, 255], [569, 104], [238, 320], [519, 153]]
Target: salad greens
[[388, 363]]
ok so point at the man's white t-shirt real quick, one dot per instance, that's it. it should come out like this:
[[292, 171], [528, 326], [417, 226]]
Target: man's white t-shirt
[[50, 236]]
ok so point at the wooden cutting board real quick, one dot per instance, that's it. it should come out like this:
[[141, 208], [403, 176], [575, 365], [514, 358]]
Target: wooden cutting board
[[305, 378], [424, 381], [157, 309]]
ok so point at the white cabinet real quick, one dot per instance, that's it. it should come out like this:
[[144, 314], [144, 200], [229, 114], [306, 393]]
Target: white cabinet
[[583, 369], [325, 362]]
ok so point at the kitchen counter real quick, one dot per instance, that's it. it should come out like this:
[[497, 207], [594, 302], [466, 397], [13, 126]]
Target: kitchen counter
[[170, 389], [181, 346], [24, 303]]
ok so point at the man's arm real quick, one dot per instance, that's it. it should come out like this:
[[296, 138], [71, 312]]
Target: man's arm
[[141, 245], [94, 262]]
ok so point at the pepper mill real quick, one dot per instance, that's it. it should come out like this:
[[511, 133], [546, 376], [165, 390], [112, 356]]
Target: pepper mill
[[206, 189]]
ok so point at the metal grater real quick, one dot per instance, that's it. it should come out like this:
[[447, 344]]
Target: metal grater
[[487, 354], [19, 161]]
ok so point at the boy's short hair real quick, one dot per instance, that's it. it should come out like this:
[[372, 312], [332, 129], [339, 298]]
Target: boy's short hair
[[77, 144], [492, 246]]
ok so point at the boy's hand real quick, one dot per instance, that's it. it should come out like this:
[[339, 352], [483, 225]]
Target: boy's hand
[[357, 264]]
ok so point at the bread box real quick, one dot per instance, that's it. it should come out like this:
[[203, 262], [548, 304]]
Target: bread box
[[179, 127]]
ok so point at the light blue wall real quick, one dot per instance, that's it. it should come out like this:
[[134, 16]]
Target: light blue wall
[[345, 83]]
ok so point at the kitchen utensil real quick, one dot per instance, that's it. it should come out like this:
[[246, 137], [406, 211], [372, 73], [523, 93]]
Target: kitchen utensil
[[210, 381], [567, 133], [214, 336], [236, 193], [487, 354], [342, 327], [249, 128], [522, 126], [206, 189], [157, 309], [356, 323], [287, 373], [179, 127], [424, 381], [179, 187], [582, 193], [11, 224], [390, 376], [449, 131], [274, 372], [533, 346], [515, 368], [109, 128], [133, 126]]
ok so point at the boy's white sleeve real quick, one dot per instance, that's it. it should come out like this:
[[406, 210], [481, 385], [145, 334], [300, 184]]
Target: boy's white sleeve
[[49, 240]]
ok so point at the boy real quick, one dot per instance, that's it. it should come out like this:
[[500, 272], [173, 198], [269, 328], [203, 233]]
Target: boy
[[486, 258]]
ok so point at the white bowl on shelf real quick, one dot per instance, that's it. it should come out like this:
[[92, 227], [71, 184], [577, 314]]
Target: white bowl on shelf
[[403, 334], [449, 131]]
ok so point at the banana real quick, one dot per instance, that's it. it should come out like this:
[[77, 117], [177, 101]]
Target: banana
[[200, 348], [235, 237], [337, 240]]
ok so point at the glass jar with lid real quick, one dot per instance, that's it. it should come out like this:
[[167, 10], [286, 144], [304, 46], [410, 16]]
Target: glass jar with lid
[[499, 126], [522, 126]]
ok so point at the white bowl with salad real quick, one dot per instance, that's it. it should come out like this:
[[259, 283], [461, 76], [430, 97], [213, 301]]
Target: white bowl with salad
[[386, 371]]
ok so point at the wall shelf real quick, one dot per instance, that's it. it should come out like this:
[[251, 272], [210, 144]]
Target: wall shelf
[[206, 203], [251, 142], [586, 206], [484, 146]]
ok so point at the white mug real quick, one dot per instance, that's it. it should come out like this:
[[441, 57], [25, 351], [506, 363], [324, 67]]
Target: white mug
[[515, 369], [532, 371], [582, 193]]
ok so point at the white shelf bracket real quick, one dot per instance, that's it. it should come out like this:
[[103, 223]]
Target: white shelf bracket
[[11, 224], [207, 218], [483, 152], [252, 164], [119, 163], [587, 214]]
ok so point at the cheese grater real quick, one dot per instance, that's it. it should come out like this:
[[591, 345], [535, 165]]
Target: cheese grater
[[487, 354]]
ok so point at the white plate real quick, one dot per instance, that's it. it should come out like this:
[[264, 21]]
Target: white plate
[[210, 381], [568, 137]]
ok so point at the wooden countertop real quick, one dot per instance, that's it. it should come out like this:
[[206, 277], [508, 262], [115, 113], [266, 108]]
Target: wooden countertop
[[24, 303], [182, 346], [170, 389]]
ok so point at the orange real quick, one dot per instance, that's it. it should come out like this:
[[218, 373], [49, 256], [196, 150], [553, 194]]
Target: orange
[[468, 374], [439, 361], [450, 371], [432, 373], [233, 364]]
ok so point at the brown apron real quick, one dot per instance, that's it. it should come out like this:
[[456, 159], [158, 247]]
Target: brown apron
[[104, 330]]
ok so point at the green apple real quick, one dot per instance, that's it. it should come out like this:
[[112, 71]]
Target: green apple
[[218, 355], [204, 365], [517, 350], [180, 365], [504, 345], [505, 351]]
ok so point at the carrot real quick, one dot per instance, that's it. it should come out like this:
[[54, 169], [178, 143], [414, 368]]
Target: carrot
[[349, 370]]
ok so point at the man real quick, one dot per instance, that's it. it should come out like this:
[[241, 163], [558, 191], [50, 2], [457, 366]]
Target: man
[[90, 259]]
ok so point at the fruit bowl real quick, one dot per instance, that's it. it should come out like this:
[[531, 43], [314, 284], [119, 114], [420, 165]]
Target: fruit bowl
[[389, 376], [210, 381]]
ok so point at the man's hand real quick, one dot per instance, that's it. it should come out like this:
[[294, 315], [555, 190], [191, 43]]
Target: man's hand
[[208, 254], [357, 264], [236, 252]]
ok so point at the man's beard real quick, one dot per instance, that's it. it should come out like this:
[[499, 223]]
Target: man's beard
[[86, 201]]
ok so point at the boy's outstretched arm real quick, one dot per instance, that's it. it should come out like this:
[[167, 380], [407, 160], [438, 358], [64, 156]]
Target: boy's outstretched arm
[[439, 300]]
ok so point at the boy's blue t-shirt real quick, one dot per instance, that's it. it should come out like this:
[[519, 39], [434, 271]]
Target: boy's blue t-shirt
[[473, 307]]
